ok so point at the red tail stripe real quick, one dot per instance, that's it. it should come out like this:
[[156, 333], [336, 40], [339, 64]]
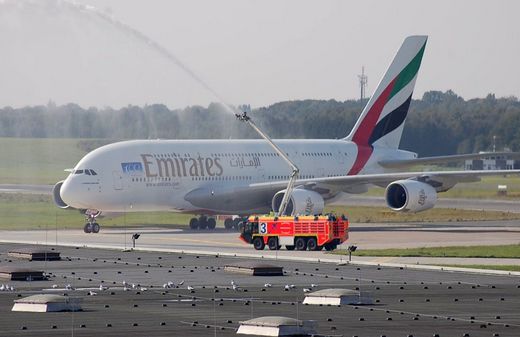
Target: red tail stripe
[[363, 154], [368, 123], [365, 129]]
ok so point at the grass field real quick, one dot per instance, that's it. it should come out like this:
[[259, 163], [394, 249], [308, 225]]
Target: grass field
[[366, 214], [37, 161], [503, 251], [506, 267], [41, 160], [32, 211]]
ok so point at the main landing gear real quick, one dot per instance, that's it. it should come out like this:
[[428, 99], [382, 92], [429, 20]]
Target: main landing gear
[[236, 224], [203, 222], [91, 226]]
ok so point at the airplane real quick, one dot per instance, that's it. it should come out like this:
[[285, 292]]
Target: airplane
[[242, 177]]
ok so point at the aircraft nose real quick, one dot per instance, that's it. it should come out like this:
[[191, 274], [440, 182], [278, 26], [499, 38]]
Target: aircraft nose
[[68, 193]]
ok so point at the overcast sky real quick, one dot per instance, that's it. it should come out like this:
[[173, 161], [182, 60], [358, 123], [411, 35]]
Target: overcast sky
[[255, 52]]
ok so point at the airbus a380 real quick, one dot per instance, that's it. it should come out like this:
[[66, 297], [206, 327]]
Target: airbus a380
[[241, 177]]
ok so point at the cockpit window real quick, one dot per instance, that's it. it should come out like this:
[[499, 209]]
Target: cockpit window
[[88, 172]]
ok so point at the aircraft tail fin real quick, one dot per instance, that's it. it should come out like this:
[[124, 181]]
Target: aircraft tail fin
[[382, 120]]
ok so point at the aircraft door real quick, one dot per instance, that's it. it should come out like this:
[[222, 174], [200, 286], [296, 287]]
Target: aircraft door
[[118, 180], [341, 157], [261, 174]]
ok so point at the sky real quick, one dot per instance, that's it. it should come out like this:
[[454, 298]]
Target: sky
[[180, 53]]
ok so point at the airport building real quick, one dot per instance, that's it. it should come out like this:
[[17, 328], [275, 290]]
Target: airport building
[[493, 162]]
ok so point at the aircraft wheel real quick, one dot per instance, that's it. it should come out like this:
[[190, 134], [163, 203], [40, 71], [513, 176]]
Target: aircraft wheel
[[240, 226], [87, 228], [203, 222], [300, 244], [289, 247], [312, 244], [211, 223], [228, 223], [235, 223], [273, 243], [258, 243], [95, 227], [194, 223]]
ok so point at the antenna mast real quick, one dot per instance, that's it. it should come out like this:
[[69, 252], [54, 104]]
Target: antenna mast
[[363, 80]]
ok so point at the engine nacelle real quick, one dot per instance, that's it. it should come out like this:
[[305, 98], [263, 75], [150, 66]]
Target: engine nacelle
[[410, 196], [302, 202], [57, 197]]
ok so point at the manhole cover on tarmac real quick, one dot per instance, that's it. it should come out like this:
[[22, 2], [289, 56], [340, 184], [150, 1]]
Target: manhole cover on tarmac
[[255, 269], [20, 274], [35, 254]]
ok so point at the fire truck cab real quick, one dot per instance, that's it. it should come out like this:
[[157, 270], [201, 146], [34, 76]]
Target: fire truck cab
[[300, 233]]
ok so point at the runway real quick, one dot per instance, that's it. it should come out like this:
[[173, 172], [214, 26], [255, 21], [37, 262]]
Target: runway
[[364, 236]]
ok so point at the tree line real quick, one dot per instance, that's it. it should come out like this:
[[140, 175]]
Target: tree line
[[438, 123]]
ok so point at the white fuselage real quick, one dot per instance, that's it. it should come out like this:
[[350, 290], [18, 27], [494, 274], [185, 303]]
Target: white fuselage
[[156, 175]]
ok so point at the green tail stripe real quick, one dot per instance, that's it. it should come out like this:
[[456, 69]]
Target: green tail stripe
[[408, 73]]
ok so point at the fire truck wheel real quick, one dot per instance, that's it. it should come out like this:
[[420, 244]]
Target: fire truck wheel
[[319, 248], [228, 223], [258, 243], [289, 247], [211, 223], [312, 244], [273, 243], [300, 244], [194, 223]]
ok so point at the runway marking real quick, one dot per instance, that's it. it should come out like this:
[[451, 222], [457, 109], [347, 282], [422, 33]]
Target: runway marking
[[384, 259], [203, 241], [173, 238]]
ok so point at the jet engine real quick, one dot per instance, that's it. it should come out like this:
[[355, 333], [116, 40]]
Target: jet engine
[[302, 202], [410, 196], [57, 197]]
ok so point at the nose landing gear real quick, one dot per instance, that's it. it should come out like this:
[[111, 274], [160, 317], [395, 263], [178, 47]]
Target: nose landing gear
[[91, 226]]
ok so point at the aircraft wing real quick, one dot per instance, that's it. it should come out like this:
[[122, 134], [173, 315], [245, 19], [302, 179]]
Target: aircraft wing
[[440, 180], [444, 159], [257, 196]]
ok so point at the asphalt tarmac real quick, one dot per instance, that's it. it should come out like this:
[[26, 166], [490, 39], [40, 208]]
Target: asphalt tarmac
[[407, 302], [364, 236]]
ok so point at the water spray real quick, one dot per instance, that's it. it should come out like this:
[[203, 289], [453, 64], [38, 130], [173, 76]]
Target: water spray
[[110, 19], [295, 170]]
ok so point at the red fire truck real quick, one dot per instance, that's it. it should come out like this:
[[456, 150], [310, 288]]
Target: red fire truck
[[300, 233]]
